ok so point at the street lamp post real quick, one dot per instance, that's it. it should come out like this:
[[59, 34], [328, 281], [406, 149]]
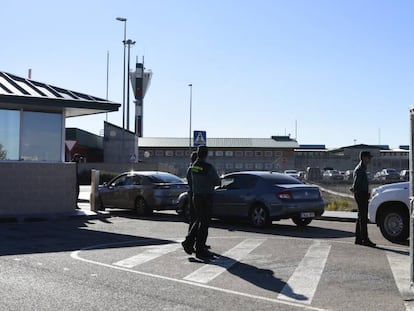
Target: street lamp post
[[129, 42], [191, 107], [124, 20]]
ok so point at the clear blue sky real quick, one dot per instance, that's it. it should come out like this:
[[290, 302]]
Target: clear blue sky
[[344, 69]]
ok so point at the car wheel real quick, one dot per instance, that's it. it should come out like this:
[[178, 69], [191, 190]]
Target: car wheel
[[259, 216], [394, 224], [141, 207], [301, 222]]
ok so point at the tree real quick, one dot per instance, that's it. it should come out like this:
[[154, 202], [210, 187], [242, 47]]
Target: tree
[[3, 153]]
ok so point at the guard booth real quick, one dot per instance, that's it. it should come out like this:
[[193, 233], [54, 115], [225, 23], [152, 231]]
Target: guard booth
[[35, 178]]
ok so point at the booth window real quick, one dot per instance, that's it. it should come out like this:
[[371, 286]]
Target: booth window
[[41, 136], [9, 134]]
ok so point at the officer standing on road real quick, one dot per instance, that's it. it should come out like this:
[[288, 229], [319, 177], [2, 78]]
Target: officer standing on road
[[76, 159], [360, 188], [204, 179]]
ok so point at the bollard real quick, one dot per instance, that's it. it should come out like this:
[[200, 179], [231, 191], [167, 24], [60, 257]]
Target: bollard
[[95, 204]]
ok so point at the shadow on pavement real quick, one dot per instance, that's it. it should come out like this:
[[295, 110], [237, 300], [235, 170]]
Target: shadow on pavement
[[242, 225], [262, 278], [62, 236]]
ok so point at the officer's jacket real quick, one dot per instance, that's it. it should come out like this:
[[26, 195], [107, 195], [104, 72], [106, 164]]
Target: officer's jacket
[[204, 177], [360, 179]]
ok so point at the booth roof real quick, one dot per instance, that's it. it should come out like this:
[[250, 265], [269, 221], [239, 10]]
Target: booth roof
[[18, 92]]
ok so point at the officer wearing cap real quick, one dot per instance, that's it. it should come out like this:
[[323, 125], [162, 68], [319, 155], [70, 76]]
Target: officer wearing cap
[[360, 188], [204, 179]]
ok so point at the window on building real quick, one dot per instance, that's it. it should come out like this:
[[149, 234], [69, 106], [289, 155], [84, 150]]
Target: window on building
[[268, 166], [258, 154], [238, 166], [249, 166], [41, 136], [179, 153], [258, 166], [268, 154], [169, 153], [239, 154], [9, 134], [248, 154], [229, 166], [211, 153], [228, 153], [159, 153], [219, 153]]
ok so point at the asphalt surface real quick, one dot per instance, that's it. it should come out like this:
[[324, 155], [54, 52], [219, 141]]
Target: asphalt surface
[[129, 263]]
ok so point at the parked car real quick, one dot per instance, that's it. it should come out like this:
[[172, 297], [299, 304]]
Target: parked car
[[313, 174], [377, 177], [293, 173], [389, 175], [389, 209], [142, 191], [262, 197], [405, 175], [332, 175], [349, 175]]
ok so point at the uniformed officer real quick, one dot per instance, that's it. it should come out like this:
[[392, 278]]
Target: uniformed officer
[[204, 179], [360, 188]]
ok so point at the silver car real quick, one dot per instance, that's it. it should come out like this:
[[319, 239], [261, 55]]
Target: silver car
[[262, 197], [143, 192]]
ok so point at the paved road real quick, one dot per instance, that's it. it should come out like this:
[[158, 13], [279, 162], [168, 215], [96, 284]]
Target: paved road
[[130, 263]]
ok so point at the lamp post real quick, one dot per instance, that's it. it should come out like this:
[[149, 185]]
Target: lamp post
[[124, 20], [191, 107], [128, 42]]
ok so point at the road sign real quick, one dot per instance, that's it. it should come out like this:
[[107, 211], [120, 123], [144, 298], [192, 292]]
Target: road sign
[[200, 138], [70, 144]]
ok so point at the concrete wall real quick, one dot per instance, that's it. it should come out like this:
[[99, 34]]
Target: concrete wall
[[120, 146], [33, 188]]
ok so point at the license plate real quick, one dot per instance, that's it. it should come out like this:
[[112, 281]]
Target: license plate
[[307, 215]]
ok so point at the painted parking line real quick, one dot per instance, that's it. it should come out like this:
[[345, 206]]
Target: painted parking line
[[302, 285], [210, 271], [77, 256], [151, 253], [400, 267]]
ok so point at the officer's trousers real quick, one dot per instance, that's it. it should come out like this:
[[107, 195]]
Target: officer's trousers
[[361, 231]]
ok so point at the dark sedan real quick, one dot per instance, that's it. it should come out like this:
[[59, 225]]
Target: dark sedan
[[142, 191], [262, 197]]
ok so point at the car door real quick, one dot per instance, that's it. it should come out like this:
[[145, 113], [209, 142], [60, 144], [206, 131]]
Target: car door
[[111, 196], [233, 198]]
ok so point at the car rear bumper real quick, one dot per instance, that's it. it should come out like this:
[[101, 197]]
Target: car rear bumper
[[278, 211]]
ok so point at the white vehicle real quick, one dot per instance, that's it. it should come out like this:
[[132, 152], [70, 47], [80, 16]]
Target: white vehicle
[[389, 209], [293, 173]]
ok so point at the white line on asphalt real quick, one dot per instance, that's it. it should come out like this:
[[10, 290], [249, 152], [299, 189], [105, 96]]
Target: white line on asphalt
[[210, 271], [302, 285], [400, 267], [151, 253], [75, 255]]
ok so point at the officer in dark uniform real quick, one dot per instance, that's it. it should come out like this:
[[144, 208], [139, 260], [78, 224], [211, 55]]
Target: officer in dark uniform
[[204, 179], [360, 188]]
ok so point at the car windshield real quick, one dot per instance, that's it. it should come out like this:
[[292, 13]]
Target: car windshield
[[165, 178], [391, 170]]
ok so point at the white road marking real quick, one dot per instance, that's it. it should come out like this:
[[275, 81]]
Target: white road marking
[[400, 267], [151, 253], [75, 255], [210, 271], [302, 285]]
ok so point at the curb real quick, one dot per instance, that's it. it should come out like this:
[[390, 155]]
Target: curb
[[52, 217]]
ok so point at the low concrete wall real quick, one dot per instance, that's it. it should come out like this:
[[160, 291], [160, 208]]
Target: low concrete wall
[[31, 188]]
